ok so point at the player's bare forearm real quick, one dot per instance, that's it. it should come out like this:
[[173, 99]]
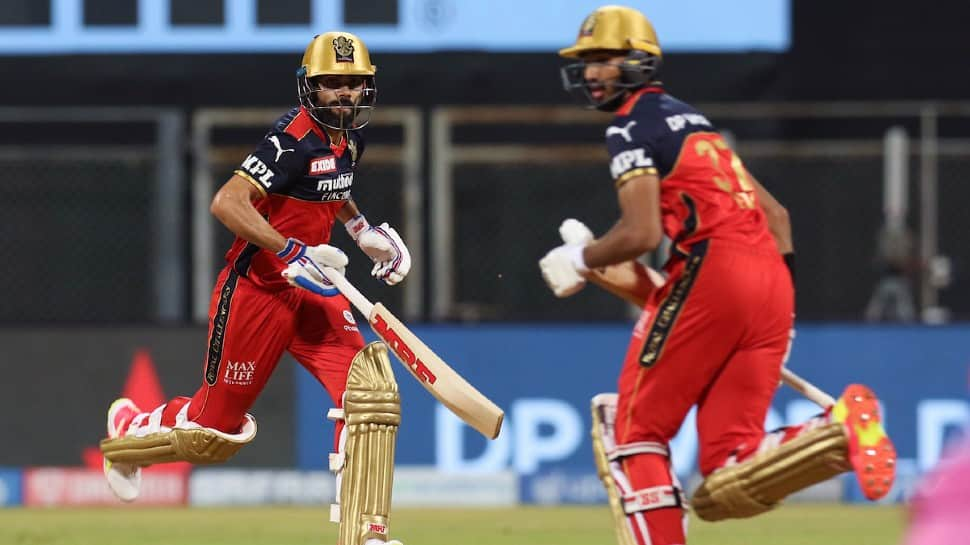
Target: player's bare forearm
[[638, 230], [630, 280], [620, 244], [347, 211], [233, 206], [779, 222]]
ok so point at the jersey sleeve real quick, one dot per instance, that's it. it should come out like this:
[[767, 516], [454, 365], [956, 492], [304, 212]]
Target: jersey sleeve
[[275, 164], [631, 151]]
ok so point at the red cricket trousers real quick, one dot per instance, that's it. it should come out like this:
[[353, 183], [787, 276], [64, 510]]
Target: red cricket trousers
[[715, 335], [250, 327]]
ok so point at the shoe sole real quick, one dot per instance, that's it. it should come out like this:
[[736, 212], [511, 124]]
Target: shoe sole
[[871, 452], [122, 475]]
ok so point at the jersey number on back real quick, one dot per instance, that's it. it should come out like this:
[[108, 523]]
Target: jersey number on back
[[736, 181]]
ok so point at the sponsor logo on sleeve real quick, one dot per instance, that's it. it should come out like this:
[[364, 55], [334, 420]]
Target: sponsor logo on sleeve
[[258, 170], [629, 159]]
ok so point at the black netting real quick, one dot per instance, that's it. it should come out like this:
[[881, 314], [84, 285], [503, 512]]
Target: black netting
[[76, 239], [835, 205], [954, 224], [507, 218]]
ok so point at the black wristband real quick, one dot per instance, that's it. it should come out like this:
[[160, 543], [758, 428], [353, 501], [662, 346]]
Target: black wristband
[[790, 263]]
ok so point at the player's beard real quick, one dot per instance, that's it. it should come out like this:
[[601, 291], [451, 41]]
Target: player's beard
[[339, 113]]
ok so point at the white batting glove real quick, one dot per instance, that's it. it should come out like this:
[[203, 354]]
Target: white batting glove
[[563, 268], [392, 260], [574, 231], [305, 266]]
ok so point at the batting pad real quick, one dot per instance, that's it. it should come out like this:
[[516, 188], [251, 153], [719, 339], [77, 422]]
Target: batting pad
[[759, 484], [604, 414], [372, 412], [188, 442]]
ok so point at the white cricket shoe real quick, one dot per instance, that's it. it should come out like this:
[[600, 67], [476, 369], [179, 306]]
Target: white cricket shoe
[[123, 479]]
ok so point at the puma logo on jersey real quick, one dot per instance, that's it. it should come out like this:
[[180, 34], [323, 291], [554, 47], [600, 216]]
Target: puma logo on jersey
[[279, 147], [624, 132], [626, 160]]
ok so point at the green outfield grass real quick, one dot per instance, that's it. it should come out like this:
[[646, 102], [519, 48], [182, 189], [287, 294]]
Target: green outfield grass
[[790, 525]]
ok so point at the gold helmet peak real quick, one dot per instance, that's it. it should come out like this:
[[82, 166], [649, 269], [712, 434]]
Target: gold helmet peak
[[614, 28]]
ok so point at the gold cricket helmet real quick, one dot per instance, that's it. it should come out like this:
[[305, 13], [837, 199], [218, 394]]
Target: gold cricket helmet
[[615, 31], [332, 61], [615, 28]]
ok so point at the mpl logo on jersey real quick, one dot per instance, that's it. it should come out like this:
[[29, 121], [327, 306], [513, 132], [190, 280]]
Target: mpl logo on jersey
[[625, 160], [322, 165], [258, 169]]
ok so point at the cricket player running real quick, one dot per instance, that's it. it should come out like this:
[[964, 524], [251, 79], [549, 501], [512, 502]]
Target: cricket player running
[[716, 333], [282, 203]]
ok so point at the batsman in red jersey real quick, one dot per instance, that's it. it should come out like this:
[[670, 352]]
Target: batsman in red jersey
[[272, 296], [714, 334]]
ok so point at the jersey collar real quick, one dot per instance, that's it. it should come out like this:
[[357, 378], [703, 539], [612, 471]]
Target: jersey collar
[[339, 149], [313, 125], [632, 100]]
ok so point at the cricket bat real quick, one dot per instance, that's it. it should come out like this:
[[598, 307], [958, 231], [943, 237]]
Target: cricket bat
[[437, 377]]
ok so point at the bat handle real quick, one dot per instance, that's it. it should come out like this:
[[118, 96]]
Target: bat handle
[[807, 389], [349, 291]]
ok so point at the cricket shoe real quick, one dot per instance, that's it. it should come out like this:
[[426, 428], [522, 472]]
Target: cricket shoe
[[871, 452], [123, 479]]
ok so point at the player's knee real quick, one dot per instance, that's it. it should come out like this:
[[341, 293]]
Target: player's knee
[[637, 476], [711, 459]]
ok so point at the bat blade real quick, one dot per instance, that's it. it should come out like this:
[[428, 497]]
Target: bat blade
[[443, 382]]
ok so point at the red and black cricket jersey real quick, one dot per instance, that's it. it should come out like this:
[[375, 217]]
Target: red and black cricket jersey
[[304, 180], [705, 190]]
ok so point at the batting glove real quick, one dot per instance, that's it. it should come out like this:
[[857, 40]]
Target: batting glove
[[305, 266], [563, 268], [574, 231], [392, 260]]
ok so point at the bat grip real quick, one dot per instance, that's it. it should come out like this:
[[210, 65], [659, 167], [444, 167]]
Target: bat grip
[[349, 291]]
